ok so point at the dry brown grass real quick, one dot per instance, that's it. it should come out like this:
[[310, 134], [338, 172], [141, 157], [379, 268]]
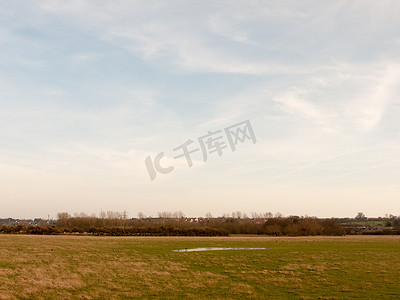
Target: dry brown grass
[[81, 267]]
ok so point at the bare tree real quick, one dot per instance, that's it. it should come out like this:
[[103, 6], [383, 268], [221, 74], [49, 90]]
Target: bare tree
[[268, 215], [360, 216]]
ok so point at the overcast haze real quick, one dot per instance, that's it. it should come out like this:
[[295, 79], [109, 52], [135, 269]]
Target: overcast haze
[[89, 89]]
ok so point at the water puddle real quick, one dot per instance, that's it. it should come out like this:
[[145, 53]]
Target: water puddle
[[215, 249]]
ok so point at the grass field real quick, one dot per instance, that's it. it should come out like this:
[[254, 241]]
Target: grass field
[[64, 267]]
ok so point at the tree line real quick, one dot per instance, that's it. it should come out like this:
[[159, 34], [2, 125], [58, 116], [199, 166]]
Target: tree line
[[176, 224]]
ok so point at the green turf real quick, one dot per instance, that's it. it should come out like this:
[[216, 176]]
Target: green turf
[[128, 267]]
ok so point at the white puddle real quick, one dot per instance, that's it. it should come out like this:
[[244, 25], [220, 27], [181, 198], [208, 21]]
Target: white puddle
[[215, 249]]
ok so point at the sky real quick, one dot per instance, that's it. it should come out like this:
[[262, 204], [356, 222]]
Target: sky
[[91, 89]]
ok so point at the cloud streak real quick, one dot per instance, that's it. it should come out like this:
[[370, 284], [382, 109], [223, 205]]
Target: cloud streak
[[88, 89]]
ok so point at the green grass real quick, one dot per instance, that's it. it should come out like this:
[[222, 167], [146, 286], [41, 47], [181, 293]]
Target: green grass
[[366, 223], [128, 267]]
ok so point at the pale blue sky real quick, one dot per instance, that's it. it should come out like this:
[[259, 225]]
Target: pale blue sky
[[89, 89]]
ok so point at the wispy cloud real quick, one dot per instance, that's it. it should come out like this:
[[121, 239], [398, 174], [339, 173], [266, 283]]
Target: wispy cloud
[[89, 89]]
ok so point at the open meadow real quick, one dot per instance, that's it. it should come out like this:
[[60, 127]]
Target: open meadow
[[65, 267]]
